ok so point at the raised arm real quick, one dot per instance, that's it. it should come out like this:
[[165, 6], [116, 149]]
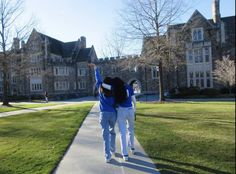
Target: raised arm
[[97, 74]]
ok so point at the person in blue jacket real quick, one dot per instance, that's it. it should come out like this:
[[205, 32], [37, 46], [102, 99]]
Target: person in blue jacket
[[107, 112], [125, 99]]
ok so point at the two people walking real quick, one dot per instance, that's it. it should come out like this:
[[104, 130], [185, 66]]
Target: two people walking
[[117, 104]]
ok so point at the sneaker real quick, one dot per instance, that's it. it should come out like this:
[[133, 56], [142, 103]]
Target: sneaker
[[108, 160], [126, 157], [132, 150]]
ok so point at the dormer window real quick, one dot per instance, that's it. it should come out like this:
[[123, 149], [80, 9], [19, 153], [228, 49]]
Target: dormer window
[[197, 34]]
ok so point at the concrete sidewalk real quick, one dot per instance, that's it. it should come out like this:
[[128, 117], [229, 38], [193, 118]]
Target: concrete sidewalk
[[85, 155]]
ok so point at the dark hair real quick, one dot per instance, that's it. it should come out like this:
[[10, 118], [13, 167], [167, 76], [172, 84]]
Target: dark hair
[[106, 92], [119, 90]]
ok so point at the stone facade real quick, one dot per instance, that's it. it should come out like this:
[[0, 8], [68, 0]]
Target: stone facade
[[60, 68], [46, 64], [205, 42]]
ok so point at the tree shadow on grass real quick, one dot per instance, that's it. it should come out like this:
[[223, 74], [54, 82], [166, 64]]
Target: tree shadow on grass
[[165, 168], [161, 116]]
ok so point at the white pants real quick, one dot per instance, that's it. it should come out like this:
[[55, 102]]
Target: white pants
[[125, 118]]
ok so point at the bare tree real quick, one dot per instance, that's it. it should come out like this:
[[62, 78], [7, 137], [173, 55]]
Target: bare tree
[[149, 20], [114, 45], [10, 12], [225, 72]]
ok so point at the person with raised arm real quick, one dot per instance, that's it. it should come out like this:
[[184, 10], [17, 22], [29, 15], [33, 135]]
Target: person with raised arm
[[108, 114]]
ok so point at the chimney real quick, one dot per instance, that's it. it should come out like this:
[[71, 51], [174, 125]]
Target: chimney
[[216, 12], [83, 42], [16, 43]]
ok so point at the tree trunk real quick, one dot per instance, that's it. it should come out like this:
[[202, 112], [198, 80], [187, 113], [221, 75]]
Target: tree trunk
[[161, 90], [5, 83]]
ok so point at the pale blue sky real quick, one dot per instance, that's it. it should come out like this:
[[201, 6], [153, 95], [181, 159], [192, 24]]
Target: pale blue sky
[[67, 20]]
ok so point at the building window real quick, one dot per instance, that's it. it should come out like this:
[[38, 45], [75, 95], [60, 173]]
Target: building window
[[61, 85], [82, 85], [208, 79], [14, 79], [35, 59], [61, 71], [197, 78], [81, 72], [191, 79], [36, 87], [155, 72], [197, 34], [35, 71], [190, 56], [198, 56], [202, 79], [207, 54]]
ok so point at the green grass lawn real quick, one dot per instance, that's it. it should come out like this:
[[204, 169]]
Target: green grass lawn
[[194, 137], [35, 142], [19, 106]]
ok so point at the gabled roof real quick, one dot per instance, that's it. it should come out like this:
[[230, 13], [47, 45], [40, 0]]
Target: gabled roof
[[195, 14], [65, 49]]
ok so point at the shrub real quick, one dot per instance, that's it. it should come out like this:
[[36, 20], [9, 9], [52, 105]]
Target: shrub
[[210, 92]]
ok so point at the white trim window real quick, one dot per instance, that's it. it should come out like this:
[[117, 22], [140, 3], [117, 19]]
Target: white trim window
[[191, 83], [82, 85], [61, 85], [35, 58], [197, 34], [36, 86], [198, 56], [190, 56], [207, 54], [35, 71], [61, 71], [82, 72], [197, 78], [202, 83], [155, 70]]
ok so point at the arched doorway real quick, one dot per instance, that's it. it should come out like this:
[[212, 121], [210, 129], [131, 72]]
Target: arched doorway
[[136, 84]]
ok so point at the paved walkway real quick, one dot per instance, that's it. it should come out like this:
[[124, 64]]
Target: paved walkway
[[85, 155]]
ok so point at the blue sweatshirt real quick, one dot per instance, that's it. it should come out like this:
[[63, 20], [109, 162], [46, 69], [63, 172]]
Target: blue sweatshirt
[[128, 102], [107, 104]]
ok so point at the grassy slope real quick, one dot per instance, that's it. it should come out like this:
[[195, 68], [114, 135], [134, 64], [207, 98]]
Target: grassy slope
[[35, 142], [197, 137]]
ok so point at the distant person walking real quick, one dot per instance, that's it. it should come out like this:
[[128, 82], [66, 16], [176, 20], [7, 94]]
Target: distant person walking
[[124, 97], [107, 112], [46, 96]]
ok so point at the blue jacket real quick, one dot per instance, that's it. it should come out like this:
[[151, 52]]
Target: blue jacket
[[107, 104], [128, 102]]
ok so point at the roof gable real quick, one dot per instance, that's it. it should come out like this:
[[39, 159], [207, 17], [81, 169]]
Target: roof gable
[[197, 17]]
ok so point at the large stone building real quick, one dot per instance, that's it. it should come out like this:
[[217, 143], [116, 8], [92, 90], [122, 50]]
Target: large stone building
[[204, 42], [47, 64]]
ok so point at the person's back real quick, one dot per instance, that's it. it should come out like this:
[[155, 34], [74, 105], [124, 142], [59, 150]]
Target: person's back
[[124, 96], [108, 114]]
